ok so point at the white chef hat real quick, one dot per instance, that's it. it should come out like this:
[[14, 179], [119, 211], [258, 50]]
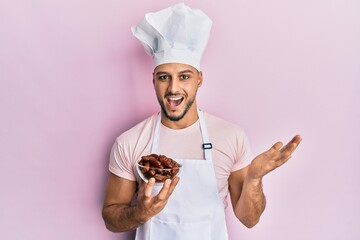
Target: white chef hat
[[178, 34]]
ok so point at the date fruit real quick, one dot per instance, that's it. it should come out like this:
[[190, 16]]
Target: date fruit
[[159, 167]]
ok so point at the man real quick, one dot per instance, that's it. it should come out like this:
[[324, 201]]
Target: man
[[214, 154]]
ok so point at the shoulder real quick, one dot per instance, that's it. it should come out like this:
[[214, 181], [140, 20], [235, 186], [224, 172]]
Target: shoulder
[[141, 130], [220, 125], [227, 136], [230, 143]]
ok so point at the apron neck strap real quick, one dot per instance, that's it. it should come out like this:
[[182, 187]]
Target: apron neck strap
[[207, 146]]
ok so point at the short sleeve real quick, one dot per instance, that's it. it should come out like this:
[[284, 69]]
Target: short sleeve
[[119, 163], [244, 155]]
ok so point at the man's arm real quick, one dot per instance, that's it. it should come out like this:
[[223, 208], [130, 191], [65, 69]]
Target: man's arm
[[117, 212], [247, 197], [245, 185]]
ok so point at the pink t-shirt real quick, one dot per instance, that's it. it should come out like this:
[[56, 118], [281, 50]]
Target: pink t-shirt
[[230, 147]]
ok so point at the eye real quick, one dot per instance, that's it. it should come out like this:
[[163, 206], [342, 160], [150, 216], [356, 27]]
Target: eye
[[183, 77], [163, 77]]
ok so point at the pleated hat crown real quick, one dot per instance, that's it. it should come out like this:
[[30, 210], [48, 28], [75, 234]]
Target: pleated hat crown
[[178, 34]]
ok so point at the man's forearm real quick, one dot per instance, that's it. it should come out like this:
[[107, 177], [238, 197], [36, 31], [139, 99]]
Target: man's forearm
[[121, 218], [251, 203]]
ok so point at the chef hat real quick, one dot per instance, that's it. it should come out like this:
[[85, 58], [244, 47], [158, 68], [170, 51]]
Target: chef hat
[[177, 34]]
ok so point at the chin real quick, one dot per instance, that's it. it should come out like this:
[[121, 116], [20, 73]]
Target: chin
[[175, 116]]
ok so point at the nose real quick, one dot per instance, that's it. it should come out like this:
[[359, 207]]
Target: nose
[[173, 86]]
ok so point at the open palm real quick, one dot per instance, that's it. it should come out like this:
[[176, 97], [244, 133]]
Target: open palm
[[273, 158]]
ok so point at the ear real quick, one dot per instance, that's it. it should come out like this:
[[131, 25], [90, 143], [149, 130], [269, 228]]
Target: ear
[[200, 81]]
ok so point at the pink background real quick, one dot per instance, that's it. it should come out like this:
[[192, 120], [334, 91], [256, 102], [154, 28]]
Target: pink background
[[72, 78]]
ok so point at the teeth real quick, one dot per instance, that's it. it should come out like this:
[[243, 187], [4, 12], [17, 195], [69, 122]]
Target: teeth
[[174, 98]]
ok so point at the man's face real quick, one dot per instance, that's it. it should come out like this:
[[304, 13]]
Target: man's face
[[176, 86]]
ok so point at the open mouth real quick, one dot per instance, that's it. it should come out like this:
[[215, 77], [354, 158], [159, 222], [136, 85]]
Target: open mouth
[[175, 101]]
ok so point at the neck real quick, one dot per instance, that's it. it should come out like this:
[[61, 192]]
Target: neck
[[189, 119]]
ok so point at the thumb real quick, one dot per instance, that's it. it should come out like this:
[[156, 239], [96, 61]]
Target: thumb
[[277, 146]]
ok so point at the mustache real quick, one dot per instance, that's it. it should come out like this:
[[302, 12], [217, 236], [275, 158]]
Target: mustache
[[173, 95]]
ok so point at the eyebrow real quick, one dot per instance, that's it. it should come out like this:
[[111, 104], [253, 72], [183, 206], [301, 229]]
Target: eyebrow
[[181, 72]]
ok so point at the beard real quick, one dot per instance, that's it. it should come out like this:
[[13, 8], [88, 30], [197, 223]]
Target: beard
[[176, 118]]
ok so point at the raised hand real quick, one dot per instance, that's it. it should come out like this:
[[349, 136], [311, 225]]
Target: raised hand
[[149, 205], [272, 158]]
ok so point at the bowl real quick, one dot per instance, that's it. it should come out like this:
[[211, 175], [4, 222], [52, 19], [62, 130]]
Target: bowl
[[157, 166]]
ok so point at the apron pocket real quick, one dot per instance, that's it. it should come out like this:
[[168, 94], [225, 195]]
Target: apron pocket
[[161, 230]]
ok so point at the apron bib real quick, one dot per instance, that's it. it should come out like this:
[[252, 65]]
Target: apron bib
[[194, 210]]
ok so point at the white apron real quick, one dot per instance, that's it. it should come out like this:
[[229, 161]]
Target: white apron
[[194, 210]]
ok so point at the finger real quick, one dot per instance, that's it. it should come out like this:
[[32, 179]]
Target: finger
[[292, 145], [277, 146], [297, 139], [173, 184], [286, 146], [149, 187], [163, 194], [286, 154]]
